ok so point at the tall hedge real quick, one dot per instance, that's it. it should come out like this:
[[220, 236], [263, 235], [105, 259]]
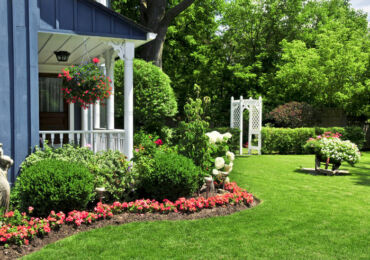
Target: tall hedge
[[154, 98], [291, 140]]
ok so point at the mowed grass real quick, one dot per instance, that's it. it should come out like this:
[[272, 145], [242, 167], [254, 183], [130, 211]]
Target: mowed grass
[[302, 216]]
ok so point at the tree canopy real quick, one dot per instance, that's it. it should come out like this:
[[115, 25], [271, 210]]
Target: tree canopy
[[315, 51]]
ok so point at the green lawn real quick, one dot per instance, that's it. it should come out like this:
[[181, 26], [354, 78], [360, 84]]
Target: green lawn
[[302, 217]]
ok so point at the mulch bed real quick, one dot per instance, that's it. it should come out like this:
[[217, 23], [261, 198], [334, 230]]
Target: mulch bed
[[36, 244]]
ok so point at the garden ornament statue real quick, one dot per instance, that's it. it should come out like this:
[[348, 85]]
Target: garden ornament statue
[[5, 163]]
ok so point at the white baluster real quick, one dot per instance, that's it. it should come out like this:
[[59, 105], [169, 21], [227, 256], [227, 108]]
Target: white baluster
[[61, 140], [70, 138], [78, 139], [52, 140]]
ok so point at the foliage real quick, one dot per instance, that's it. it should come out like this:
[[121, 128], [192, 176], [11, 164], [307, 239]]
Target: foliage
[[292, 140], [192, 141], [19, 228], [154, 99], [333, 73], [233, 142], [295, 206], [55, 185], [240, 47], [157, 17], [355, 134], [285, 140], [168, 175], [292, 114], [332, 147], [110, 169], [192, 39], [85, 84]]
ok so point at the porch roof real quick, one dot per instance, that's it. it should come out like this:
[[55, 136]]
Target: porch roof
[[87, 17]]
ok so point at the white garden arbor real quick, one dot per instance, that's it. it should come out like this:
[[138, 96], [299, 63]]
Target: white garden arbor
[[254, 107]]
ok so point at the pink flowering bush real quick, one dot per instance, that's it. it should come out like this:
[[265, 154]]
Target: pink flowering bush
[[19, 228], [329, 147]]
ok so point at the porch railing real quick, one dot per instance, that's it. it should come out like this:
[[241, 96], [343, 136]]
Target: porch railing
[[96, 140]]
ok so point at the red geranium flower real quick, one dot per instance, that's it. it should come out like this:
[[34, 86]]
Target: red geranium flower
[[95, 60]]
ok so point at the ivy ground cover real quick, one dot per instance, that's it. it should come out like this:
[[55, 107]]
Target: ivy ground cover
[[302, 216]]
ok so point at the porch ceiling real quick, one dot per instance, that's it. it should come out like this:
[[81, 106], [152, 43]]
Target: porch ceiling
[[76, 45]]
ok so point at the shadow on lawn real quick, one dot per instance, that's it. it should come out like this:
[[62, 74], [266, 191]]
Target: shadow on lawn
[[319, 173], [362, 175]]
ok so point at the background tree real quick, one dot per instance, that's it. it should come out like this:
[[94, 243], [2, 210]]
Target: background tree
[[156, 15]]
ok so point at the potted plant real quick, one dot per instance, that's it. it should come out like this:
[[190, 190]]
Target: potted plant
[[329, 148], [85, 84]]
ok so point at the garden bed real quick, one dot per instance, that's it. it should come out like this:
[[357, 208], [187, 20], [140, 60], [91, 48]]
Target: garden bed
[[122, 217]]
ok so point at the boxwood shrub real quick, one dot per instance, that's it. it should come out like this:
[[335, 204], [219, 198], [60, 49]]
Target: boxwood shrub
[[167, 175], [54, 185], [110, 169], [292, 140]]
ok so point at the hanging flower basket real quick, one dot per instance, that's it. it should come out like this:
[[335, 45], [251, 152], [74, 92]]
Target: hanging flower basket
[[85, 84]]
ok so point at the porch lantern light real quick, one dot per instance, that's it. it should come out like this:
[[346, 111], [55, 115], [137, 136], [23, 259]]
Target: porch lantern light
[[62, 56]]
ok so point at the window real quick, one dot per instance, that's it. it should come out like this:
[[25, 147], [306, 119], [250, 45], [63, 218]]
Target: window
[[51, 96]]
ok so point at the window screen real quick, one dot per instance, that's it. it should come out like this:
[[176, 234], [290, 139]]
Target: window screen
[[51, 96]]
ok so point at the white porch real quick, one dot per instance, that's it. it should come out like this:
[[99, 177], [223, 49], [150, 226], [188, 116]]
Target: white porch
[[91, 132]]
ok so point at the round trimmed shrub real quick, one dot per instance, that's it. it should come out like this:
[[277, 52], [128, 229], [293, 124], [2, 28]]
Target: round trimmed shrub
[[168, 175], [54, 185], [154, 98]]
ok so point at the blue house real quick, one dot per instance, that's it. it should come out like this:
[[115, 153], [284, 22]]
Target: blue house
[[34, 34]]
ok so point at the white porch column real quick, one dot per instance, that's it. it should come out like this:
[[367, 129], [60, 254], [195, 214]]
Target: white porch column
[[109, 66], [71, 116], [97, 115], [84, 125], [129, 48]]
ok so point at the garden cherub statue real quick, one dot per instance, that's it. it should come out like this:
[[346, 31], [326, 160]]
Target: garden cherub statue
[[5, 163]]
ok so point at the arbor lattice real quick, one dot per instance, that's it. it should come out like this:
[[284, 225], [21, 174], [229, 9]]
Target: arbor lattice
[[254, 107]]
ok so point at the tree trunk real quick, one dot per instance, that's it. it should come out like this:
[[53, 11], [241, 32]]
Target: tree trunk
[[153, 50], [155, 16]]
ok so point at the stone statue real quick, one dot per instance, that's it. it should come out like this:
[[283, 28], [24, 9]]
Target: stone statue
[[5, 163]]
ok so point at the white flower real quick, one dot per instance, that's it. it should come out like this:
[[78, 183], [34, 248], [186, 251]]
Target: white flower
[[230, 156], [227, 135], [215, 172], [213, 136], [219, 162]]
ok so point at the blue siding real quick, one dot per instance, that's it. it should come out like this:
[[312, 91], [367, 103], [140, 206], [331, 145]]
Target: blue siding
[[66, 20], [20, 22], [19, 90], [86, 17]]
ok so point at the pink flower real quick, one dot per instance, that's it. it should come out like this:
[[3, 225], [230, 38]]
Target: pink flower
[[95, 60], [158, 142]]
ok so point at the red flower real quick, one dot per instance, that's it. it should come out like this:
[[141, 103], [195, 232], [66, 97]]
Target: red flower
[[95, 60], [158, 142]]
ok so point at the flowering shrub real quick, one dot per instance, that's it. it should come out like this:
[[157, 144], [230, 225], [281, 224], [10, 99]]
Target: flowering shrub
[[330, 147], [85, 84], [216, 137], [18, 228], [292, 114]]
